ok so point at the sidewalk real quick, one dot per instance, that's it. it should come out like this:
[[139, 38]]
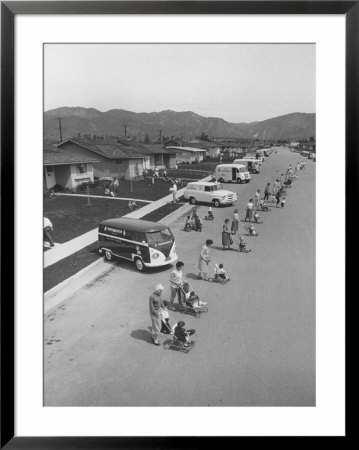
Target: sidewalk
[[61, 251]]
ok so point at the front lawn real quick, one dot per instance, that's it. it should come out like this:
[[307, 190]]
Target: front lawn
[[71, 216], [140, 189]]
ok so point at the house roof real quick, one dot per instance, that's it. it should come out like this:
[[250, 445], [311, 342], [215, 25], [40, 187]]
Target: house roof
[[202, 144], [158, 149], [112, 150], [188, 149], [54, 155]]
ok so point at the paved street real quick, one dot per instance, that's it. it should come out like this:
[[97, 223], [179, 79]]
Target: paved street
[[255, 346]]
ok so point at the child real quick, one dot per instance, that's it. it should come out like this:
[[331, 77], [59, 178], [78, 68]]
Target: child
[[181, 334], [188, 224], [252, 231], [263, 206], [282, 202], [194, 301], [221, 274], [197, 222], [257, 218], [249, 210], [243, 245], [210, 215], [166, 327]]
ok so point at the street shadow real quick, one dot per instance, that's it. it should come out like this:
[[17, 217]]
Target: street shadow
[[142, 335], [192, 276]]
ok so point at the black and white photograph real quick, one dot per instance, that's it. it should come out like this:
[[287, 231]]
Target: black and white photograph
[[179, 224]]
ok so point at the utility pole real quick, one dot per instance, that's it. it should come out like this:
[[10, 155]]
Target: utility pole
[[59, 119], [160, 131], [125, 125]]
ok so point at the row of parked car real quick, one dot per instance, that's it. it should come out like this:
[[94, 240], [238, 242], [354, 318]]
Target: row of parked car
[[237, 172]]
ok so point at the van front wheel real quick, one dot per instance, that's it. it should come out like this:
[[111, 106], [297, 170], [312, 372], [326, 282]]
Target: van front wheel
[[239, 181], [108, 255], [139, 264], [192, 200]]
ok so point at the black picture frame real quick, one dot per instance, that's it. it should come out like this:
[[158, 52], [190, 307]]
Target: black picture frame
[[8, 12]]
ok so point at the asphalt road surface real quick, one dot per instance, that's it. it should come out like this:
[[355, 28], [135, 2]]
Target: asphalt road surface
[[255, 346]]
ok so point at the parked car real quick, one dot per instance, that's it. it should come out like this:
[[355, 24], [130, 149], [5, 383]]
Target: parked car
[[209, 192]]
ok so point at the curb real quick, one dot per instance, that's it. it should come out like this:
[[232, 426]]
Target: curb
[[67, 287]]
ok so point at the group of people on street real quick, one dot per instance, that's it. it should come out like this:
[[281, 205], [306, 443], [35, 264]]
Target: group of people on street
[[158, 308]]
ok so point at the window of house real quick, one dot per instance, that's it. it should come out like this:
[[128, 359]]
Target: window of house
[[81, 168], [158, 160]]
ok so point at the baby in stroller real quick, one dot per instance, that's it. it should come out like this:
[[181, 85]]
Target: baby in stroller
[[197, 222], [181, 334], [192, 303], [220, 274], [243, 245], [209, 215], [257, 218], [252, 231], [188, 224], [263, 206]]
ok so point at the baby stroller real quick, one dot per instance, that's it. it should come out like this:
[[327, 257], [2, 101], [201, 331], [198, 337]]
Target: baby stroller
[[209, 216], [190, 302], [197, 224], [176, 344]]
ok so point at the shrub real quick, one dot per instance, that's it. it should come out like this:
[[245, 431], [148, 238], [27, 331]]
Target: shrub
[[82, 186], [58, 188]]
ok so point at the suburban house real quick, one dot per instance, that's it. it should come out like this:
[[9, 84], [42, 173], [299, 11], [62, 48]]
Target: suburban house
[[212, 149], [66, 169], [124, 159], [188, 154], [159, 157]]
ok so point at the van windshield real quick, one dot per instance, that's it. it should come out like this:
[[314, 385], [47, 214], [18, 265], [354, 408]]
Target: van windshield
[[243, 169], [217, 187], [159, 237]]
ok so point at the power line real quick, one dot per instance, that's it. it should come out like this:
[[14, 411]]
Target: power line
[[125, 125], [59, 119]]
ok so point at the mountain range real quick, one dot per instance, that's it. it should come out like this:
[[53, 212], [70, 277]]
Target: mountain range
[[185, 124]]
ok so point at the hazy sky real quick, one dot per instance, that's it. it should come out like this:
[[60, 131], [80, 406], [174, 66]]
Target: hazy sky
[[237, 82]]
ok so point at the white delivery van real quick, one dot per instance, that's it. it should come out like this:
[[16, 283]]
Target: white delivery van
[[253, 165], [208, 192], [260, 154], [237, 173]]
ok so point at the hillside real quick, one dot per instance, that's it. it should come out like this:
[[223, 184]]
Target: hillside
[[185, 124]]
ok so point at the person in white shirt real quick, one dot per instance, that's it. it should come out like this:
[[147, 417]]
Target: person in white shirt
[[174, 192], [249, 212], [176, 282], [48, 228], [257, 197]]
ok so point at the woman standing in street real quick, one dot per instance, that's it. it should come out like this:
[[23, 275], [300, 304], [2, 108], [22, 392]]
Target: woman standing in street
[[204, 259], [235, 221], [156, 307], [249, 211], [226, 236], [176, 282]]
